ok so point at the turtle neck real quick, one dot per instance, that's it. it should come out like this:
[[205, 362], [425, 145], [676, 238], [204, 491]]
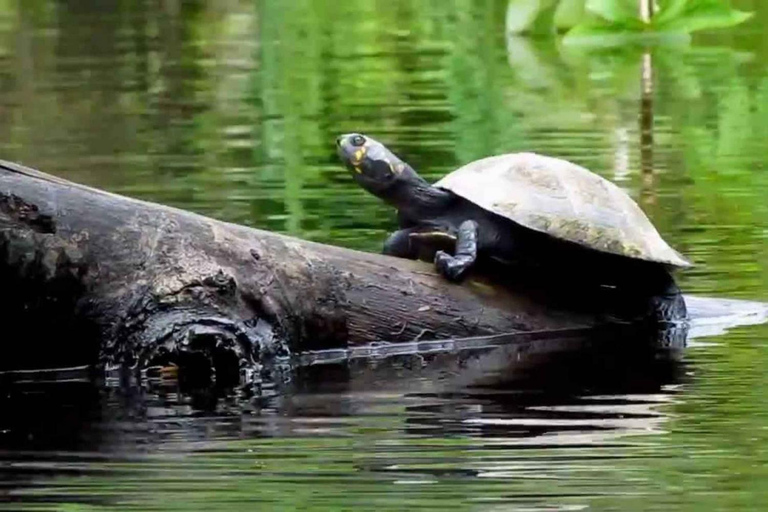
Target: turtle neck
[[415, 198]]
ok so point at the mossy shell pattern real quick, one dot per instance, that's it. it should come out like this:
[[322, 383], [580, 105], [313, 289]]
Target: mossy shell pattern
[[565, 201]]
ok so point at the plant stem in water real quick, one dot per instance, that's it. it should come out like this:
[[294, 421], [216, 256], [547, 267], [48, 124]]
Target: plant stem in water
[[646, 10], [646, 129]]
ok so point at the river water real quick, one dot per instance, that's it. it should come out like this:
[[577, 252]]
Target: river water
[[230, 108]]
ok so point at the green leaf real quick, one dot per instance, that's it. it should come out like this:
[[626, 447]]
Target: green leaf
[[596, 24], [670, 9], [616, 11], [598, 27], [598, 33], [522, 14], [700, 15], [569, 13]]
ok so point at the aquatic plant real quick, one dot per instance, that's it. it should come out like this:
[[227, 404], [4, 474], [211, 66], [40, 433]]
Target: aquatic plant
[[621, 17]]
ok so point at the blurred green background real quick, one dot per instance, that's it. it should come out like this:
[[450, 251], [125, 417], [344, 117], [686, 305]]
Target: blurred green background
[[230, 108]]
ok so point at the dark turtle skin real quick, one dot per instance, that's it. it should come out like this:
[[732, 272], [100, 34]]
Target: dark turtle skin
[[458, 234]]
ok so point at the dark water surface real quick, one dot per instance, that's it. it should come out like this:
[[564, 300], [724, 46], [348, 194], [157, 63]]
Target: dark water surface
[[230, 108]]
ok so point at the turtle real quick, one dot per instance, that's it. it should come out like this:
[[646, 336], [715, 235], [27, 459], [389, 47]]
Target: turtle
[[525, 210]]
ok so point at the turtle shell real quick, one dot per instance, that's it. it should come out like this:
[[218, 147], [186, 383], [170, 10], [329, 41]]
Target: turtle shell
[[563, 200]]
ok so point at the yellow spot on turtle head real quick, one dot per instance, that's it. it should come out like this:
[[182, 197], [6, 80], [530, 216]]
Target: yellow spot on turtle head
[[358, 170], [359, 154], [397, 168]]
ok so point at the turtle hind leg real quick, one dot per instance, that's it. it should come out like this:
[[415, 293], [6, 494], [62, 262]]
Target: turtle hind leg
[[665, 300], [454, 268], [667, 304]]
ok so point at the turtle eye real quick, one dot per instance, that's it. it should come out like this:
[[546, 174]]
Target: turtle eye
[[358, 140]]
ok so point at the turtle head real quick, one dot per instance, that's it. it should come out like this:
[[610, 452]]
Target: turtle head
[[373, 166]]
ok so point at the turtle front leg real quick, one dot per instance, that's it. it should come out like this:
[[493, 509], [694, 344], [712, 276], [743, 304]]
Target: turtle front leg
[[399, 244], [455, 267]]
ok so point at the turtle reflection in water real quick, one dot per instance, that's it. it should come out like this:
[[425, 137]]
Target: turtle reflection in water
[[526, 210]]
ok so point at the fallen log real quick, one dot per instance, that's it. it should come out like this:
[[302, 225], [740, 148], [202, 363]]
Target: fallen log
[[94, 277]]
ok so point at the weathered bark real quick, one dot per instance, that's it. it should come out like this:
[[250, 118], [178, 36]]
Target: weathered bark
[[93, 276]]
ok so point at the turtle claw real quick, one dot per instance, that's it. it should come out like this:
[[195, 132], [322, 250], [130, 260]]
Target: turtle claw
[[450, 267]]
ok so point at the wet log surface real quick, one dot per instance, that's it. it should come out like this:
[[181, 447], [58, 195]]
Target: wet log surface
[[94, 277]]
